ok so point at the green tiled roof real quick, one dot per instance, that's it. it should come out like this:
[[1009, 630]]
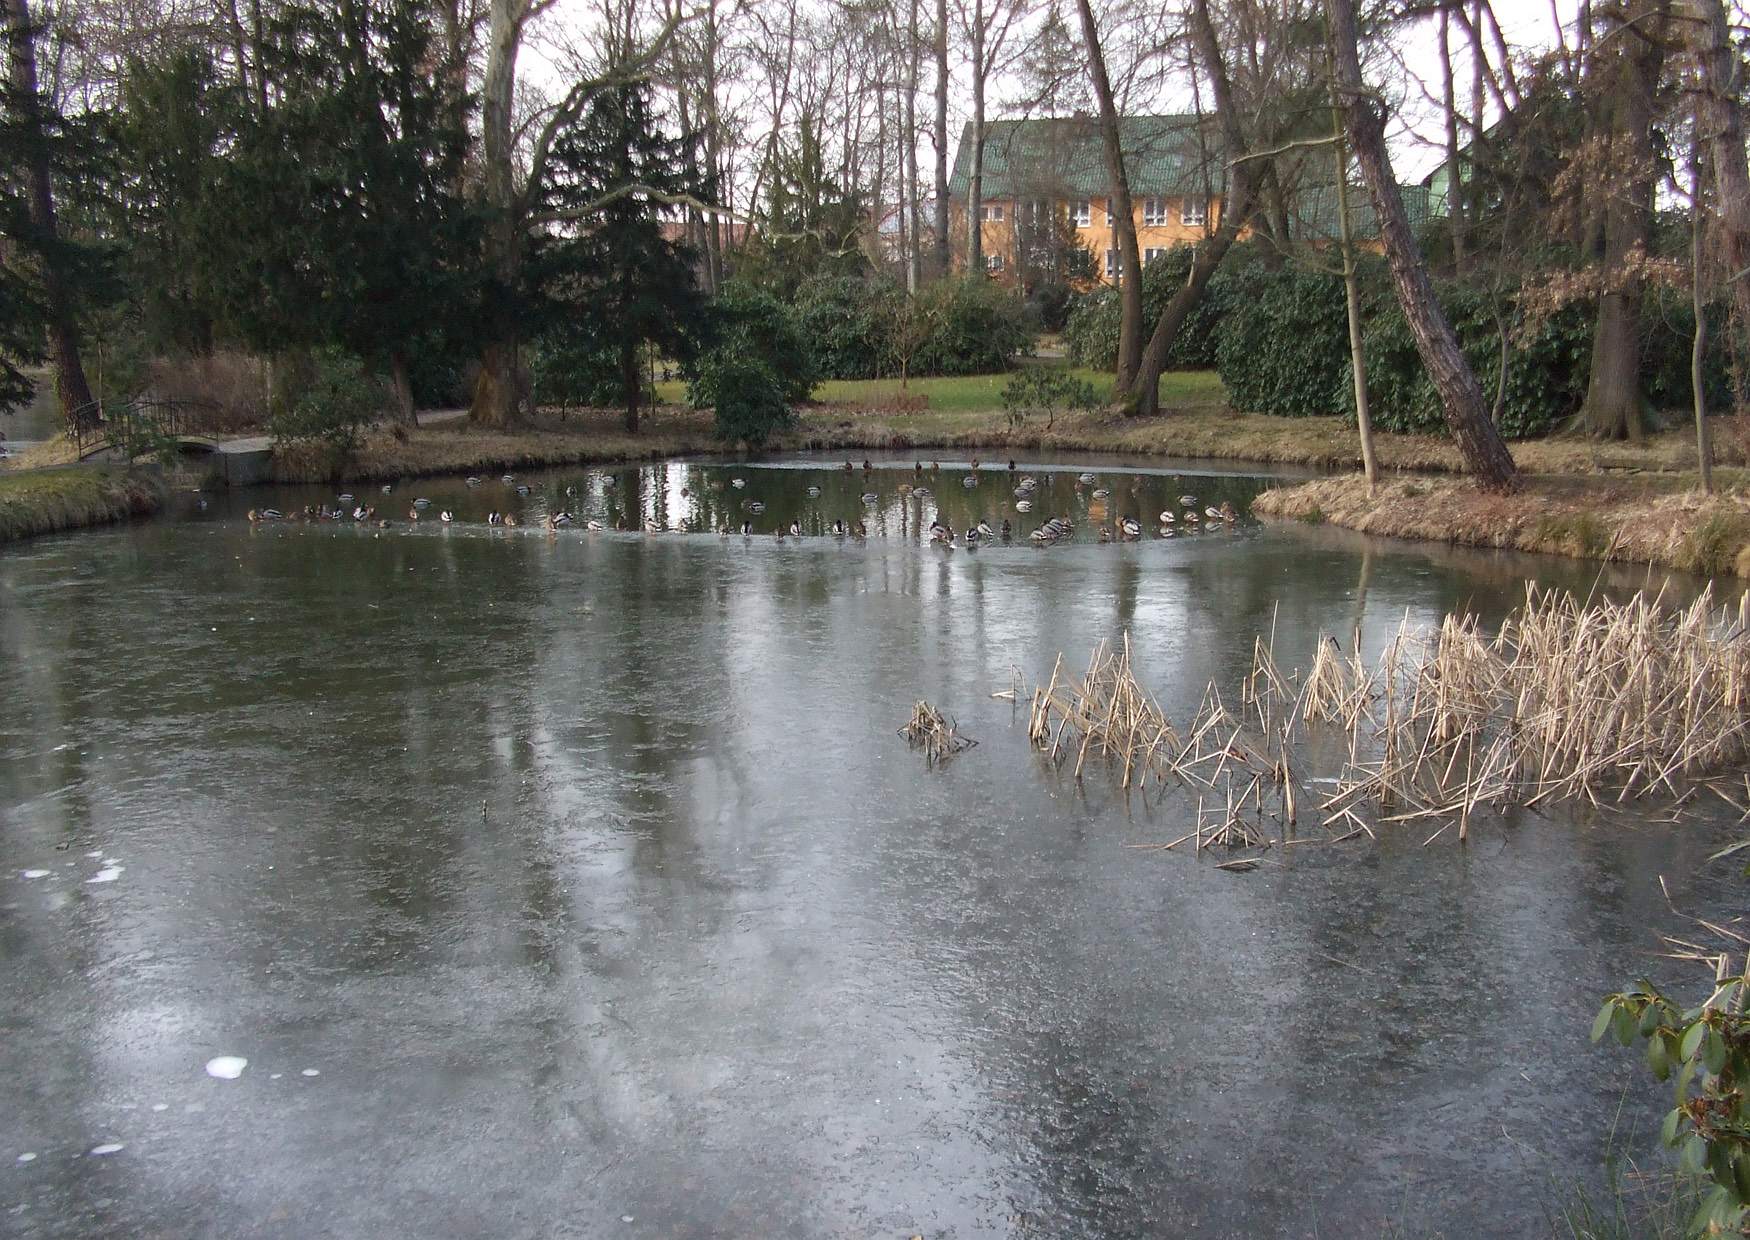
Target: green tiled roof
[[1061, 157], [1315, 211]]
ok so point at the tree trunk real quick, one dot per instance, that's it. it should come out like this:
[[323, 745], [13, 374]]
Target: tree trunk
[[1449, 98], [1627, 75], [629, 376], [401, 385], [975, 183], [914, 251], [941, 263], [496, 402], [78, 410], [1704, 457], [1352, 304], [1461, 399], [1123, 218], [1720, 124], [1237, 208]]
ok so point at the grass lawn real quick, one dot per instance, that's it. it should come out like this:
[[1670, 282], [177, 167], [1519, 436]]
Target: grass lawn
[[45, 500], [975, 393]]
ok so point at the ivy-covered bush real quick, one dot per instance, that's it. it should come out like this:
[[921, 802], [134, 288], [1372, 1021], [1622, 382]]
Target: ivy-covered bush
[[752, 321], [1283, 343], [975, 327], [569, 370], [336, 401], [854, 328], [845, 321], [747, 393], [1091, 336]]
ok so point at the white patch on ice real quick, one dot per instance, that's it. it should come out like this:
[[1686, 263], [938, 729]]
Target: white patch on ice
[[160, 1106], [274, 1076], [193, 1108], [227, 1067], [108, 1147], [95, 855], [108, 874], [36, 873], [27, 1156], [312, 1072]]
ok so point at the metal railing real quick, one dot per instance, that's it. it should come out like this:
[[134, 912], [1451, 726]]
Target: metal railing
[[100, 426]]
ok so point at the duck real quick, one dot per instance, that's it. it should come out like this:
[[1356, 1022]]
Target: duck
[[918, 467], [422, 502], [609, 481], [849, 468], [723, 530], [510, 519], [559, 519], [1212, 512], [1011, 465], [778, 533], [493, 518], [746, 528], [984, 530], [1008, 530], [1087, 479], [343, 498], [1227, 512], [754, 505], [972, 536], [571, 492], [594, 526], [413, 513], [1105, 533], [1023, 505], [971, 480], [446, 516], [508, 479], [738, 483], [839, 528], [1190, 501], [1041, 536], [860, 530], [866, 466], [474, 480], [974, 462], [522, 490], [869, 497], [388, 488], [1129, 527], [813, 493], [795, 529], [653, 526], [1101, 492], [1191, 517], [940, 532], [1167, 516]]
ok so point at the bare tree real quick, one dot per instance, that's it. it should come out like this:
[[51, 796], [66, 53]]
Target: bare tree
[[1123, 219], [987, 25], [1461, 398]]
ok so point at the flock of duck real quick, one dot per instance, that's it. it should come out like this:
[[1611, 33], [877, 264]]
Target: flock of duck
[[1125, 528]]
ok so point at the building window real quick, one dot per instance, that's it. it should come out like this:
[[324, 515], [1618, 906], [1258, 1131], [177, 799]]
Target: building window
[[1084, 213], [1108, 213], [1149, 255], [1194, 211], [1039, 212], [1111, 264], [1154, 212], [993, 212], [993, 262]]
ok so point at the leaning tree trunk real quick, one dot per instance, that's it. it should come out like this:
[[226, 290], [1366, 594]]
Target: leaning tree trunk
[[496, 392], [401, 386], [1627, 74], [78, 410], [1461, 398], [1129, 255], [1143, 399]]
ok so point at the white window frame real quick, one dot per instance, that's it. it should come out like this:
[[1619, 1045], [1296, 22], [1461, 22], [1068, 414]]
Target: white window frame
[[1153, 252], [1112, 263], [1084, 213], [1154, 212], [1108, 213], [1039, 212], [1194, 212], [991, 213], [993, 262]]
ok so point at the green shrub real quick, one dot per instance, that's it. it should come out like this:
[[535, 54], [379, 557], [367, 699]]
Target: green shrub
[[747, 393], [976, 327], [1092, 331], [1048, 390], [1048, 305], [845, 321], [752, 321], [569, 369], [337, 402], [1283, 344]]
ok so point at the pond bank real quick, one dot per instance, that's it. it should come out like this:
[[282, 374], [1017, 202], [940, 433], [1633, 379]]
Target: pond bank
[[43, 501], [1643, 520]]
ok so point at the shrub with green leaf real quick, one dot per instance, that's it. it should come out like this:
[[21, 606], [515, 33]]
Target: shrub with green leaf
[[337, 402], [1706, 1048], [1047, 390], [1091, 334], [845, 320], [753, 321], [1283, 346], [747, 394], [977, 327]]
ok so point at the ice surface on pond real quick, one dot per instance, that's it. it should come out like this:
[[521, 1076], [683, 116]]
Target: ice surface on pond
[[108, 1147], [27, 1156], [226, 1067], [312, 1071], [36, 873], [108, 874]]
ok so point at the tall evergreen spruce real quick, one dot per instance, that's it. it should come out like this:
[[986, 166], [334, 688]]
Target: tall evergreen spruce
[[606, 272], [352, 234]]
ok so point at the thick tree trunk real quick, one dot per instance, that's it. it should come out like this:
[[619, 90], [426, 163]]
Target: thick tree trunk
[[1352, 305], [496, 400], [941, 221], [975, 183], [1720, 124], [401, 386], [914, 250], [1627, 76], [1123, 218], [1461, 398], [71, 389], [630, 377]]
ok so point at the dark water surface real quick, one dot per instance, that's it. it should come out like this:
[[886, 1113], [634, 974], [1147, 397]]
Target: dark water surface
[[581, 886]]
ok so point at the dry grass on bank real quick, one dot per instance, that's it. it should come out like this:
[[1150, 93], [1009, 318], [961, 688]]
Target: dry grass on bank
[[1644, 519], [46, 500]]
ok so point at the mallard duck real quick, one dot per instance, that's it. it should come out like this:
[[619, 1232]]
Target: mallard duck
[[1212, 512], [984, 530], [510, 519], [1191, 517], [746, 528], [609, 481], [1008, 530], [869, 497], [755, 506], [653, 526], [388, 488], [1101, 492], [413, 513], [446, 516], [778, 533], [969, 481], [940, 532], [918, 467], [738, 483], [1087, 479], [1190, 501], [1129, 527], [1105, 533], [474, 480], [723, 530], [1023, 505], [860, 530], [974, 462], [1011, 465], [1227, 512], [795, 529], [559, 519], [849, 468], [971, 536], [866, 466], [1041, 535], [813, 492], [492, 518], [922, 493], [344, 498], [839, 528], [594, 526], [422, 502], [1167, 517]]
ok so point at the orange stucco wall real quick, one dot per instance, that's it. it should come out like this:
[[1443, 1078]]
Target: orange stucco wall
[[998, 237]]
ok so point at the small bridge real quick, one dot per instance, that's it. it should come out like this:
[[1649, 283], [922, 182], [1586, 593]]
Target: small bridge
[[148, 425]]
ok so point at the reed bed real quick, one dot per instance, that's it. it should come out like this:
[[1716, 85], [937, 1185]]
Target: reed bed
[[1579, 701], [936, 734]]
